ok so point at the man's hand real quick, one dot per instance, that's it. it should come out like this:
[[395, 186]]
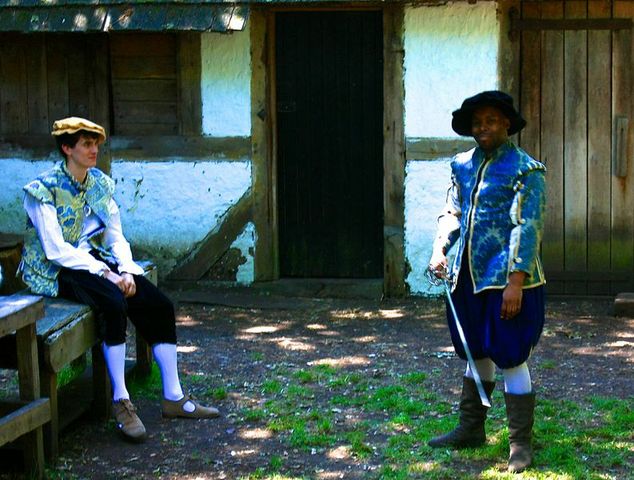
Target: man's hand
[[438, 264], [512, 296], [125, 282]]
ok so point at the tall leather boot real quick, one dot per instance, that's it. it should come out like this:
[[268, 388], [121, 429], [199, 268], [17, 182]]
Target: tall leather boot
[[470, 429], [520, 411]]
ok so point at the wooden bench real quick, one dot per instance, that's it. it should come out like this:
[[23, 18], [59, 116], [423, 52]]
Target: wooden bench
[[65, 334], [23, 420]]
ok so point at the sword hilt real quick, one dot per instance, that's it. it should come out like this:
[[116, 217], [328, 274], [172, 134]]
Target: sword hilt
[[435, 280]]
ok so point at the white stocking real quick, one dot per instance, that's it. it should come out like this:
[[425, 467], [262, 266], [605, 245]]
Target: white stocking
[[486, 370], [115, 362], [166, 357], [517, 380]]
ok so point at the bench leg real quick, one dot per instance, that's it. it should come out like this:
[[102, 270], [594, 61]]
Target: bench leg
[[33, 445], [143, 366], [51, 430], [30, 387], [102, 394]]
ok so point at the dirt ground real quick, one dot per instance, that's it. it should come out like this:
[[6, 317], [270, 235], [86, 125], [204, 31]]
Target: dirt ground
[[584, 350]]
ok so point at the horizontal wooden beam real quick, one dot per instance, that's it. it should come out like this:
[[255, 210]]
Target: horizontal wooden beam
[[433, 148], [24, 419], [518, 24], [158, 148]]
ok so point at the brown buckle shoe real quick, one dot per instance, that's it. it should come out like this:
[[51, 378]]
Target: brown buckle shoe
[[129, 425], [173, 409]]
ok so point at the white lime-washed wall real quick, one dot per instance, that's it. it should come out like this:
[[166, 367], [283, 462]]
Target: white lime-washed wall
[[169, 206], [226, 84], [451, 52]]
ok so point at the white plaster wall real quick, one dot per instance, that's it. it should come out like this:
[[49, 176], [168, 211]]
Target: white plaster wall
[[246, 244], [226, 84], [168, 207], [15, 174], [451, 53], [426, 184]]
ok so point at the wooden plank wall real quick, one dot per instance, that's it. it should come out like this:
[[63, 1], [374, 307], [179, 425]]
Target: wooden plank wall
[[144, 83], [622, 192], [599, 146], [552, 148], [133, 84], [575, 85], [575, 147]]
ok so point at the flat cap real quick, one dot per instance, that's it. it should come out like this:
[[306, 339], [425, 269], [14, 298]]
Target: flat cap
[[75, 124]]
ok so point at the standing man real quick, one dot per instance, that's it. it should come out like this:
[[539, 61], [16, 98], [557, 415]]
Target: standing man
[[494, 211], [74, 248]]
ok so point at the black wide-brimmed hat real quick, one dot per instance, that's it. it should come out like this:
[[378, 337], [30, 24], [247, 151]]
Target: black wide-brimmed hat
[[461, 122]]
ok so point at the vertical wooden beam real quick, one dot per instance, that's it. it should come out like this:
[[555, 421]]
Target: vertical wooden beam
[[13, 82], [622, 244], [530, 85], [575, 147], [36, 87], [599, 146], [57, 75], [263, 168], [189, 77], [393, 151], [508, 50], [99, 97], [29, 378], [552, 144]]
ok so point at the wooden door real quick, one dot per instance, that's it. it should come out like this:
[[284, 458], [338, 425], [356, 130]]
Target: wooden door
[[576, 96], [329, 90]]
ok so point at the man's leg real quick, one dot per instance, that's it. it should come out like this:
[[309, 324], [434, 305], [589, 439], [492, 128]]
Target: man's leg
[[107, 300], [115, 362], [153, 315]]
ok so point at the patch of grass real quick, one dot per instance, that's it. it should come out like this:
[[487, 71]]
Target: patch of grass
[[69, 373], [582, 439], [271, 387], [148, 387], [218, 393], [414, 378], [345, 380], [254, 415], [298, 392], [257, 356], [359, 445], [548, 364]]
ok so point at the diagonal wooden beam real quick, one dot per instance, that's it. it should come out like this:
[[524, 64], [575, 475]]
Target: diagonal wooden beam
[[216, 243]]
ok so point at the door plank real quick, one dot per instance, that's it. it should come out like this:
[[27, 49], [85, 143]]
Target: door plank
[[622, 245], [575, 147], [530, 88], [552, 146], [37, 89], [599, 146]]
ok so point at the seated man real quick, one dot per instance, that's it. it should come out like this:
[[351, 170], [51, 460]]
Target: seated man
[[74, 248]]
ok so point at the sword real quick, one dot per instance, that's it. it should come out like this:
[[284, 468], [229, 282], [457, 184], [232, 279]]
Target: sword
[[446, 281]]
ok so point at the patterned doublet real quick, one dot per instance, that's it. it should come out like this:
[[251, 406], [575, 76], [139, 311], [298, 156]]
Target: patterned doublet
[[500, 205], [73, 201]]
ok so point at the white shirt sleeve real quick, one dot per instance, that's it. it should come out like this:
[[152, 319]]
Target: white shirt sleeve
[[117, 244], [57, 250]]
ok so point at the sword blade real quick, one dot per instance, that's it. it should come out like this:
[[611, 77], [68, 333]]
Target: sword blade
[[476, 376]]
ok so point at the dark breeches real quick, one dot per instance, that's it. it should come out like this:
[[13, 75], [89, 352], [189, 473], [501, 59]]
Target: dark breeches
[[151, 312]]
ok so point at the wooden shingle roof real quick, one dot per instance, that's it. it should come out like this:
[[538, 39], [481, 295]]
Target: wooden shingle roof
[[117, 15]]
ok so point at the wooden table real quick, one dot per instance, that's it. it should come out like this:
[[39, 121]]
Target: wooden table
[[25, 417]]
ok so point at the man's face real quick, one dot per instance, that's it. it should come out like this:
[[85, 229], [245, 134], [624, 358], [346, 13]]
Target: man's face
[[489, 127], [84, 154]]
